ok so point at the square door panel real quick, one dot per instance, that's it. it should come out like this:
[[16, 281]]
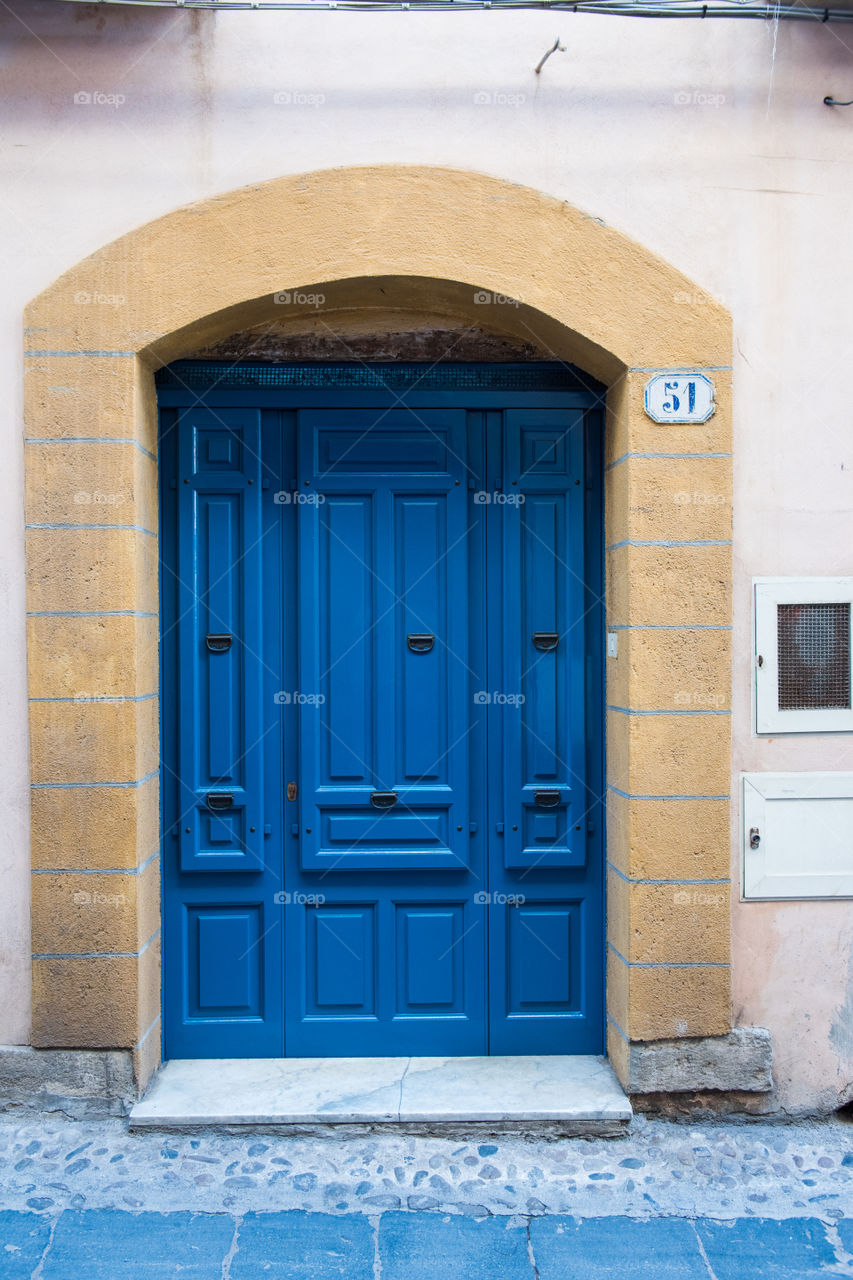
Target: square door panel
[[548, 837]]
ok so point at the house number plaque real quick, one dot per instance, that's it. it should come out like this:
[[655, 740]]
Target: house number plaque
[[679, 397]]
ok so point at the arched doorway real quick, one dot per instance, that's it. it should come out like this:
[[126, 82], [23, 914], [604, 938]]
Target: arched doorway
[[421, 239]]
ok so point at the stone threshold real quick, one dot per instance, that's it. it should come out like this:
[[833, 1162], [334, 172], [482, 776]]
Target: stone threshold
[[569, 1095]]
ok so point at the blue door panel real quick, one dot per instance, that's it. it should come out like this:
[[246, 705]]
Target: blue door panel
[[543, 672], [222, 830], [429, 958], [420, 533], [223, 960], [381, 726], [341, 959], [544, 958], [546, 932], [219, 640]]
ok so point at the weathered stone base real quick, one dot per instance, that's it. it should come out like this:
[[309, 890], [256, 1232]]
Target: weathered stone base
[[730, 1105], [739, 1062], [82, 1083]]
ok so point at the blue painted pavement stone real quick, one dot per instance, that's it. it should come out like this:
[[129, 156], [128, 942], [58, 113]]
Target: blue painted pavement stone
[[294, 1245], [766, 1249], [23, 1240], [602, 1248], [423, 1246], [112, 1244], [845, 1231]]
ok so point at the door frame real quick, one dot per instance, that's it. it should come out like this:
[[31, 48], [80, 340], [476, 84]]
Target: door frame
[[488, 390]]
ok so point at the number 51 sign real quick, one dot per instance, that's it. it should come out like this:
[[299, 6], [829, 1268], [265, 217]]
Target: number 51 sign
[[679, 397]]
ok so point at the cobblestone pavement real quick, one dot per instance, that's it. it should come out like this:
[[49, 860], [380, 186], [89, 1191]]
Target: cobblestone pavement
[[716, 1169]]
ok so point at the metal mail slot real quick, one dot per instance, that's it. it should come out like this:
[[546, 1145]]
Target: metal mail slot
[[383, 799], [218, 800]]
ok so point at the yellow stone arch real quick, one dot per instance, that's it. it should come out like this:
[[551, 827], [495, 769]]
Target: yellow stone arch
[[412, 240]]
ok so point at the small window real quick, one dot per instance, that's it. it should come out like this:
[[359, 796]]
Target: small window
[[802, 655]]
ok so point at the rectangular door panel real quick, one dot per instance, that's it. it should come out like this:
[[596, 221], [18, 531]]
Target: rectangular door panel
[[341, 743], [219, 642], [224, 961], [340, 964], [430, 960], [421, 589], [544, 957]]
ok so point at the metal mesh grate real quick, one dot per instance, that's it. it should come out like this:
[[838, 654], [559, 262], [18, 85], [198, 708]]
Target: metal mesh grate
[[395, 377], [814, 656]]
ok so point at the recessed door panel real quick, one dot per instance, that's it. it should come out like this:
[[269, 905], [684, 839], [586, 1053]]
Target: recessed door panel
[[430, 960], [224, 961], [544, 958], [341, 959]]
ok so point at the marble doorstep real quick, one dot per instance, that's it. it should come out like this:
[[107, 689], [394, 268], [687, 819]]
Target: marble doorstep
[[579, 1093]]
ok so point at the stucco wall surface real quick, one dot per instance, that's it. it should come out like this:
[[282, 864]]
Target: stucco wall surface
[[694, 139]]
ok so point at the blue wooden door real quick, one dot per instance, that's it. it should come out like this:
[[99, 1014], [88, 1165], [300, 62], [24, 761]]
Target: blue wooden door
[[392, 958], [222, 824], [545, 932], [382, 725]]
